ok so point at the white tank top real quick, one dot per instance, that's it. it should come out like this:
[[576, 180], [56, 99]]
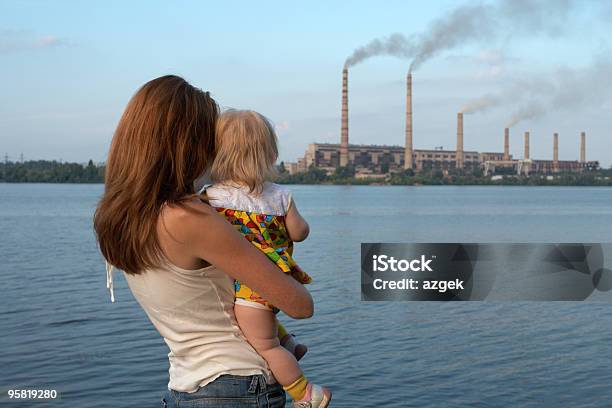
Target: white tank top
[[193, 310]]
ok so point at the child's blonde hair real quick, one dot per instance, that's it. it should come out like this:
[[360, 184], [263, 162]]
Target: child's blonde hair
[[246, 149]]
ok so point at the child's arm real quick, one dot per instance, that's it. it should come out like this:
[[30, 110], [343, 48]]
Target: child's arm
[[297, 227]]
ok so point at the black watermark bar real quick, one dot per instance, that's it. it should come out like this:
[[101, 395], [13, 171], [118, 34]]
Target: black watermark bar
[[481, 271]]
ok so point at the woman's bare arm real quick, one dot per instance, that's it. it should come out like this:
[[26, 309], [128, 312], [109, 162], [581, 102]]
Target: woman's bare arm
[[297, 227], [208, 236]]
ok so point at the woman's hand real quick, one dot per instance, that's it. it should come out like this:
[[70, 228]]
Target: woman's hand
[[208, 236]]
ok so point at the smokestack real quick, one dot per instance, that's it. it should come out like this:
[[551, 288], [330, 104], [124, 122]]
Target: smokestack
[[582, 147], [556, 152], [526, 155], [344, 137], [408, 149], [507, 144], [460, 140]]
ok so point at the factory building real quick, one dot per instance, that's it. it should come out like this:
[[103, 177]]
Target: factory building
[[384, 159], [377, 159]]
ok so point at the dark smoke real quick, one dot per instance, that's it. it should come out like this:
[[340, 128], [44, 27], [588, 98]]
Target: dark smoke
[[476, 21], [462, 25], [395, 45]]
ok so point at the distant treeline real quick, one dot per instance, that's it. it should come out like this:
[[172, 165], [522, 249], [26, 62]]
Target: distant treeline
[[346, 175], [44, 171]]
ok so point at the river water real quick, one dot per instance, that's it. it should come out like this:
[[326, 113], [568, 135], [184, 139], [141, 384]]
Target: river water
[[60, 331]]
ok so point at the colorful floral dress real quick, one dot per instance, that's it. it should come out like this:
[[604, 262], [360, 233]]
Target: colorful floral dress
[[261, 219]]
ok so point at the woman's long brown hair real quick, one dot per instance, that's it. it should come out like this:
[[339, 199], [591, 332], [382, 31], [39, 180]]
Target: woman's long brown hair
[[164, 141]]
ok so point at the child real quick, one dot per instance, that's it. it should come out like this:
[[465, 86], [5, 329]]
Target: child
[[266, 215]]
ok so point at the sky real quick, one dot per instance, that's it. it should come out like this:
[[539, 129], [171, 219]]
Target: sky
[[68, 69]]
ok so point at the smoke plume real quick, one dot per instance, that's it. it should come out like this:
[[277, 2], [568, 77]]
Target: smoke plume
[[530, 110], [395, 45], [482, 103], [567, 89], [462, 25], [469, 23]]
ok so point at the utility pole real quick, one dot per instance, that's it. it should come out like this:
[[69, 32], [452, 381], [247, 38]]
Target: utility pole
[[21, 158]]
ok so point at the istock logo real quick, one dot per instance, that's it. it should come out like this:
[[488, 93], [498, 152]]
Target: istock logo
[[382, 263]]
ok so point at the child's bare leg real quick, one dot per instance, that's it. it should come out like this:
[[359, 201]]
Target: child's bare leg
[[260, 328]]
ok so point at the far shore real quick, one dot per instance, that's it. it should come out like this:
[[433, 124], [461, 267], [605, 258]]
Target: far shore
[[54, 172]]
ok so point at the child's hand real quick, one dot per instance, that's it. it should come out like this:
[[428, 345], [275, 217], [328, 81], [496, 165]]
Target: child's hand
[[297, 227]]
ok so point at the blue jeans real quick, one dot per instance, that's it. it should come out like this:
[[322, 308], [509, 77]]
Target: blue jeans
[[229, 391]]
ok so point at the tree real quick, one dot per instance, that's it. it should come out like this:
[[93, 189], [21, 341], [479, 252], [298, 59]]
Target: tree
[[344, 172]]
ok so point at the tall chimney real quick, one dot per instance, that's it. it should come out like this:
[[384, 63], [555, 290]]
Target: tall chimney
[[408, 149], [507, 144], [344, 137], [582, 147], [459, 140], [556, 152], [526, 155]]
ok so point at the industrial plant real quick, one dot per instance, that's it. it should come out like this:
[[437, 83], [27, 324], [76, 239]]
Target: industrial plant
[[378, 160]]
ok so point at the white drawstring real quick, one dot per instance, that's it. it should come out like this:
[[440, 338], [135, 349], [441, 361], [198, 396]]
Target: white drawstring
[[109, 280]]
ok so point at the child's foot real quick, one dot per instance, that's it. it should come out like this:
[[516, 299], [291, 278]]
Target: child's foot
[[315, 397], [297, 349], [300, 350]]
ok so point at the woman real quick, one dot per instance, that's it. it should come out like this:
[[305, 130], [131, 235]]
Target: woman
[[180, 258]]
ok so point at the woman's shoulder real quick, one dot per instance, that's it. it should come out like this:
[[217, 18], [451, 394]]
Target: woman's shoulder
[[190, 207], [191, 213], [183, 228]]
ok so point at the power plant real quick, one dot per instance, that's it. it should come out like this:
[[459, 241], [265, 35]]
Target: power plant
[[377, 160]]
